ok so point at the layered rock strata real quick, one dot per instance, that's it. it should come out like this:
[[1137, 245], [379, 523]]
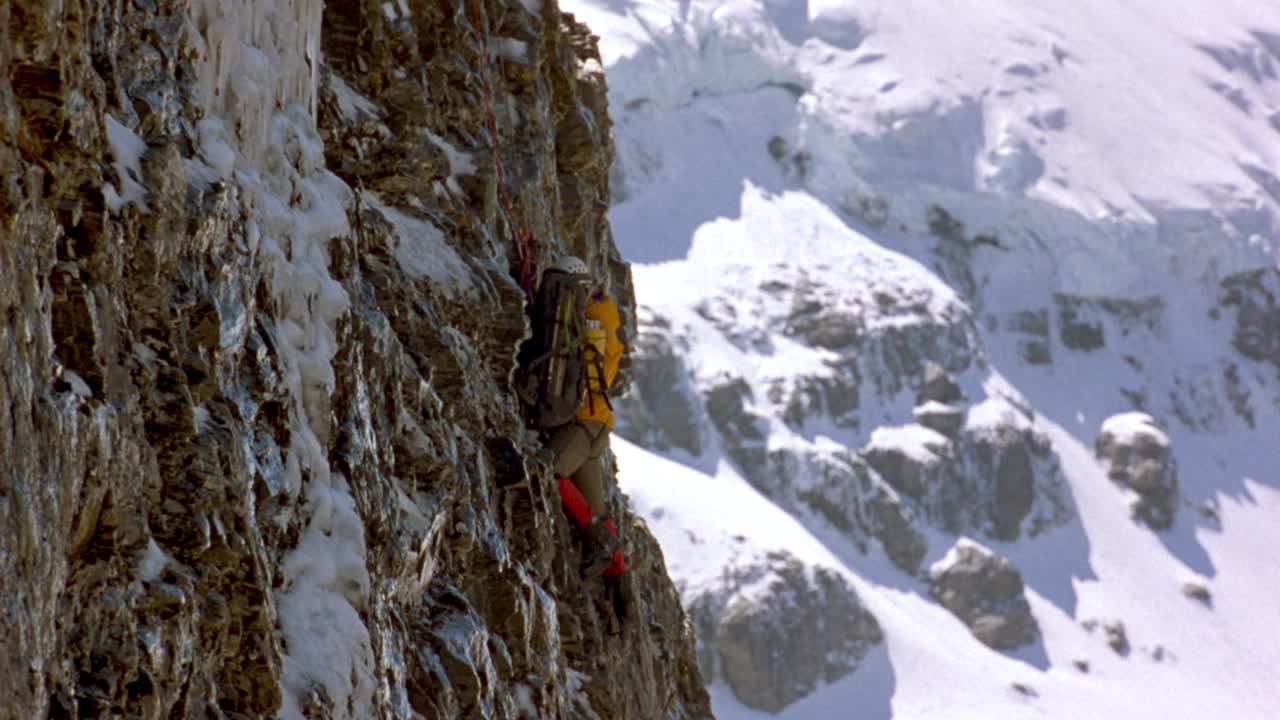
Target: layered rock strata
[[258, 452]]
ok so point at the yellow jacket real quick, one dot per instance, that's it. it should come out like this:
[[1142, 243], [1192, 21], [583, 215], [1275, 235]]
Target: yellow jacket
[[602, 332]]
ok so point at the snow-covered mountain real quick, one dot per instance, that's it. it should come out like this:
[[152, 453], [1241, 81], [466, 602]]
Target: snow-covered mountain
[[957, 392]]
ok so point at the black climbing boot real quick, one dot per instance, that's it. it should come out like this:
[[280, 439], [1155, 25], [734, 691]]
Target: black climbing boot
[[598, 550], [623, 597]]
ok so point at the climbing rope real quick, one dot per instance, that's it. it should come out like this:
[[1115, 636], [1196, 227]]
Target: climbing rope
[[526, 260]]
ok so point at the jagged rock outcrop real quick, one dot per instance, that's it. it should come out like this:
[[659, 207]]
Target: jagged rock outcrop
[[964, 467], [1255, 298], [257, 324], [662, 410], [1138, 456], [986, 468], [985, 591], [779, 628], [938, 386], [843, 489]]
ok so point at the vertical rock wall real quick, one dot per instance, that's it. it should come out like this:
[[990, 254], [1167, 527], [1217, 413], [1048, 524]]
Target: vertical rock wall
[[258, 454]]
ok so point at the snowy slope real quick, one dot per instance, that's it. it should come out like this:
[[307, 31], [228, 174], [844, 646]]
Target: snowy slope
[[1081, 204], [1218, 663]]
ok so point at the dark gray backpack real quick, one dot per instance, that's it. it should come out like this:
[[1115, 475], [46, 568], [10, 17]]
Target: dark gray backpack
[[552, 377]]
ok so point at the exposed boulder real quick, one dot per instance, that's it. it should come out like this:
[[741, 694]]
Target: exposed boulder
[[998, 476], [1117, 637], [893, 523], [1084, 322], [728, 401], [823, 326], [781, 629], [985, 591], [1031, 327], [938, 385], [911, 458], [1138, 456], [1079, 326], [1198, 592], [1115, 633], [832, 395]]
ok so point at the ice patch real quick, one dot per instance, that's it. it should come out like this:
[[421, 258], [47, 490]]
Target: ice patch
[[126, 150], [352, 106], [460, 163], [263, 84], [513, 49], [151, 562], [423, 252], [77, 383]]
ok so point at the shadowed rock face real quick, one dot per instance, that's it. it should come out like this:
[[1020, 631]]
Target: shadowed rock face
[[985, 591], [258, 454], [779, 629], [1255, 297], [996, 475]]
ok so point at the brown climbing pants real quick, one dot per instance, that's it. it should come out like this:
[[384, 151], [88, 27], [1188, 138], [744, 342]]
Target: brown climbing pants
[[577, 448]]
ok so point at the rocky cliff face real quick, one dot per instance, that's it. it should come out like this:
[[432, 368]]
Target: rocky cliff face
[[258, 451]]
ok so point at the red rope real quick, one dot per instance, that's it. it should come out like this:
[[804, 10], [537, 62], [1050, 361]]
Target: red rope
[[526, 260]]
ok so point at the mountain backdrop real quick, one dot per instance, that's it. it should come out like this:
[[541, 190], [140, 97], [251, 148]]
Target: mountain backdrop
[[957, 391]]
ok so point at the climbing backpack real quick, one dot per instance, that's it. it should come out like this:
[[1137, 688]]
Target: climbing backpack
[[554, 363]]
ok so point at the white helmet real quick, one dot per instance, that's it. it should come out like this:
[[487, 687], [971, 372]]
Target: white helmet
[[570, 264]]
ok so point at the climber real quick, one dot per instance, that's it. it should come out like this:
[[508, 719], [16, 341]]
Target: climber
[[569, 366]]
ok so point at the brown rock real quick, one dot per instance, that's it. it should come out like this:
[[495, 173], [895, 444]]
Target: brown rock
[[238, 426]]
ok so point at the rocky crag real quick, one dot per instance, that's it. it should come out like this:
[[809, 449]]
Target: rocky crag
[[259, 456]]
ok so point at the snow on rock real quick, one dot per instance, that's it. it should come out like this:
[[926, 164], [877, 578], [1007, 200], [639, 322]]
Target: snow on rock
[[268, 87], [126, 150], [939, 417], [352, 105], [1134, 427], [773, 624], [913, 443], [422, 251]]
